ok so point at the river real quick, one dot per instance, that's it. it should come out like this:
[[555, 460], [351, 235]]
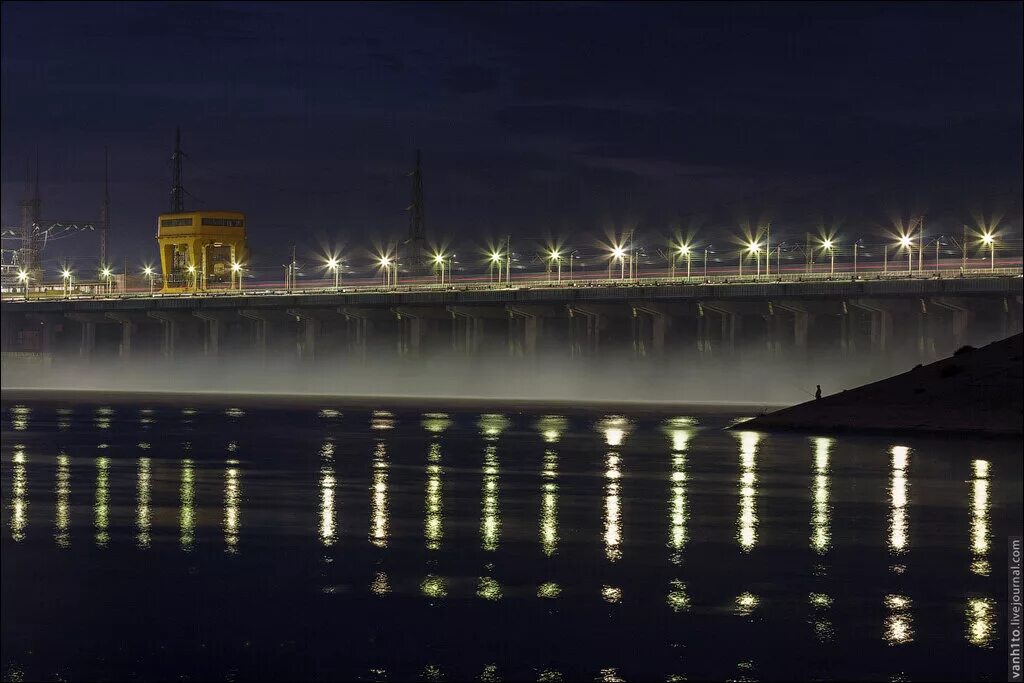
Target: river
[[162, 540]]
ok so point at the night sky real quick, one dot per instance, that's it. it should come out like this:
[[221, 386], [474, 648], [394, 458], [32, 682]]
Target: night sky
[[534, 120]]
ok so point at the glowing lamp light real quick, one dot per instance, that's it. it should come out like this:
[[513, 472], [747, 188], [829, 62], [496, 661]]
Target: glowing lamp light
[[906, 241], [988, 238], [684, 249], [826, 244], [438, 258], [495, 256], [753, 247], [385, 261], [65, 273], [332, 264], [106, 272], [22, 276], [191, 269], [618, 252]]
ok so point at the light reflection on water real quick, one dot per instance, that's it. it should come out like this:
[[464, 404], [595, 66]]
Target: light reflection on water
[[899, 495], [979, 517], [746, 532], [143, 519], [232, 506], [19, 494], [101, 508], [379, 497], [62, 512], [187, 514], [539, 489]]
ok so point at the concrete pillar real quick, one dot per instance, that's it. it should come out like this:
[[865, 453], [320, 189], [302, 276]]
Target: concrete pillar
[[45, 323], [409, 334], [171, 332], [526, 326], [960, 315], [925, 339], [467, 330], [881, 323], [127, 323], [257, 331], [312, 323], [649, 325], [584, 331], [730, 322], [703, 343], [88, 321], [214, 323], [88, 344]]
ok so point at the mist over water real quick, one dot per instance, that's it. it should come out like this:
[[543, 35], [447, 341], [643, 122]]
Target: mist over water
[[615, 377]]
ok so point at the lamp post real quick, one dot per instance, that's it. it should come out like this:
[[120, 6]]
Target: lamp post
[[619, 254], [439, 262], [148, 272], [334, 266], [23, 278], [555, 256], [755, 249], [496, 262], [105, 274], [907, 242], [988, 240], [385, 264], [236, 273], [65, 275], [828, 245], [684, 250]]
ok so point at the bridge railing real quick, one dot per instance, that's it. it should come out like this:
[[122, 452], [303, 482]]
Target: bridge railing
[[15, 294]]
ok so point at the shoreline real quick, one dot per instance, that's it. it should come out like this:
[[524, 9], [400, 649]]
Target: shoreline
[[371, 401], [976, 392]]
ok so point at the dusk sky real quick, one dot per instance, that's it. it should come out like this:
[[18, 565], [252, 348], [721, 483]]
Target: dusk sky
[[533, 119]]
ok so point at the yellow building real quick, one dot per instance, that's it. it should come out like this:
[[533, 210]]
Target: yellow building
[[197, 249]]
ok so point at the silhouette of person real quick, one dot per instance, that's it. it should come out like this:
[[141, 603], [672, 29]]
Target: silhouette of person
[[817, 392]]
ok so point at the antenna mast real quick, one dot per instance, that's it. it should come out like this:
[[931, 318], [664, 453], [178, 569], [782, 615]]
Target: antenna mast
[[105, 209], [417, 245], [177, 191]]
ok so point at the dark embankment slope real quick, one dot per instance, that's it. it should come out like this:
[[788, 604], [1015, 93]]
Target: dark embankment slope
[[976, 391]]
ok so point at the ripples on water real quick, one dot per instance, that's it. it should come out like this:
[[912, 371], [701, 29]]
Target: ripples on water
[[157, 542]]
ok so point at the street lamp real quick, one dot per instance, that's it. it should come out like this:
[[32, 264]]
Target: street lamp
[[619, 254], [335, 266], [23, 277], [236, 273], [66, 277], [385, 263], [828, 245], [755, 249], [438, 259], [684, 250], [106, 273], [555, 256], [148, 272], [907, 242], [495, 257], [988, 239], [195, 278]]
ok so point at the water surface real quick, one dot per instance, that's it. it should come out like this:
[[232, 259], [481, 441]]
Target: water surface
[[159, 541]]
